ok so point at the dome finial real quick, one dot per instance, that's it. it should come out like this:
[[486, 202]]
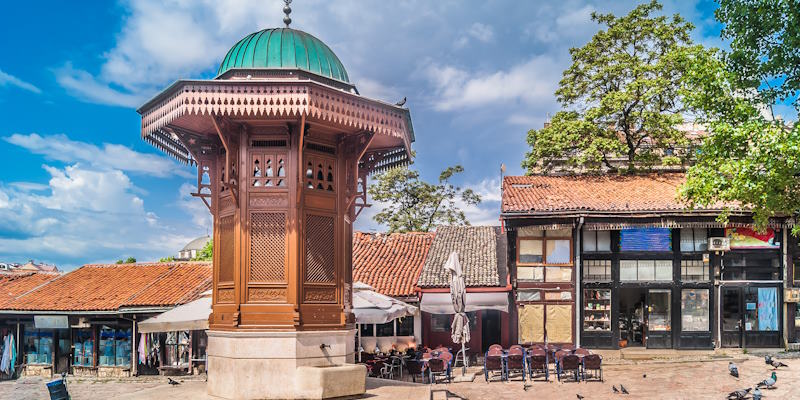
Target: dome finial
[[287, 10]]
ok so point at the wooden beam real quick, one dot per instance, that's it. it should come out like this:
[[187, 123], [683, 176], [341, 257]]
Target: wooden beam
[[225, 144], [301, 143]]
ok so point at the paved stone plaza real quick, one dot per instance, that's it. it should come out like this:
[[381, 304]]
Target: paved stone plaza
[[707, 379]]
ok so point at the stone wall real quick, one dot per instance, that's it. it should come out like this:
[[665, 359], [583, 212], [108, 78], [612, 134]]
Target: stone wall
[[113, 372], [45, 371]]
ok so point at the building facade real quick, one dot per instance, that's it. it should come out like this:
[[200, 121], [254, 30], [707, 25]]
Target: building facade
[[613, 262]]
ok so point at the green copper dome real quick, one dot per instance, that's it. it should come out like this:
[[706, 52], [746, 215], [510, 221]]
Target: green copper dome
[[284, 48]]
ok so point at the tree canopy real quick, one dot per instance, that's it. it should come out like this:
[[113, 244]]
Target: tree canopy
[[206, 253], [749, 159], [621, 98], [414, 205]]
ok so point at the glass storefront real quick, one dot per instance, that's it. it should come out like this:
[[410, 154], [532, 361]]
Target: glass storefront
[[695, 310], [659, 311]]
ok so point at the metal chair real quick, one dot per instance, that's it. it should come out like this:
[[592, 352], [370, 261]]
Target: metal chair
[[569, 363], [438, 367], [395, 365], [495, 347], [539, 364], [581, 352], [414, 368], [493, 363], [594, 363], [516, 362]]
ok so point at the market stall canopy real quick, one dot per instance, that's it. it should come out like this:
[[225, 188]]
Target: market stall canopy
[[188, 317], [442, 303], [371, 307]]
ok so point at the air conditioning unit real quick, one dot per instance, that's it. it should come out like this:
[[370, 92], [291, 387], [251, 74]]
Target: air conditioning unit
[[719, 244]]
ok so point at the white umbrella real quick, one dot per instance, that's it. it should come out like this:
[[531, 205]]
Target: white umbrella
[[460, 327], [371, 307], [187, 317]]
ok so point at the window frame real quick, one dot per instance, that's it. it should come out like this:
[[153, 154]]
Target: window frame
[[694, 240], [655, 262], [544, 264], [596, 251]]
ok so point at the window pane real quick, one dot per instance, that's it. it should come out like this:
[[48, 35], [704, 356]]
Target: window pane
[[597, 270], [367, 330], [530, 251], [664, 270], [559, 323], [693, 271], [603, 240], [531, 323], [383, 330], [627, 270], [694, 310], [645, 239], [405, 326], [528, 295], [535, 274], [597, 310], [558, 252], [440, 323], [761, 309], [558, 274], [700, 239], [687, 239], [589, 240], [659, 314], [646, 270]]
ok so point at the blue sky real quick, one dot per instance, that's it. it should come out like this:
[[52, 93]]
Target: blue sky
[[79, 185]]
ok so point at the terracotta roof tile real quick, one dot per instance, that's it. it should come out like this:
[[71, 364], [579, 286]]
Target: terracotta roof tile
[[477, 253], [540, 193], [390, 263], [14, 284], [109, 287]]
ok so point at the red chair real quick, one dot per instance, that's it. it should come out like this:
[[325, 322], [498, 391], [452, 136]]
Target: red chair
[[495, 347], [594, 363], [570, 363], [539, 364], [414, 368], [568, 347], [516, 362], [493, 363], [438, 367], [582, 352]]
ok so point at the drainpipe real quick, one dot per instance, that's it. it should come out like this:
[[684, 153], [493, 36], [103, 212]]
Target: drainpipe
[[578, 303], [785, 252]]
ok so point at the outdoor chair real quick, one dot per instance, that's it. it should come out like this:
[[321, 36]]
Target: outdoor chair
[[568, 347], [516, 362], [581, 352], [569, 363], [495, 347], [414, 368], [395, 365], [493, 363], [376, 368], [539, 365], [438, 367], [593, 363]]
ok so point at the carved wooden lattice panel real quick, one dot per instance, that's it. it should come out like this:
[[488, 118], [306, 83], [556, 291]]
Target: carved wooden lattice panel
[[320, 264], [226, 250], [268, 247]]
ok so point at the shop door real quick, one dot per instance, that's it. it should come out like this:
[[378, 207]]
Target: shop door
[[731, 317], [490, 328], [62, 360], [658, 314]]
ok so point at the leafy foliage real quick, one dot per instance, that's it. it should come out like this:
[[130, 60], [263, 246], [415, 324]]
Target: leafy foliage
[[206, 253], [418, 206], [167, 259], [749, 159], [621, 97], [129, 260]]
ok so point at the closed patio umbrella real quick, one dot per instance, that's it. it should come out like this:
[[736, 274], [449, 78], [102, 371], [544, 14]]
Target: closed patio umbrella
[[460, 328]]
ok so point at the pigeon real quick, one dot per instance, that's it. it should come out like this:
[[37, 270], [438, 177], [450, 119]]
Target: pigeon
[[172, 382], [622, 389], [579, 397], [768, 359], [614, 388], [757, 394], [777, 364], [401, 102], [734, 371], [739, 394], [768, 383]]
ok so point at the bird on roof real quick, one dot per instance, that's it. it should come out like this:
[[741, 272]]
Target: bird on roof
[[777, 364], [768, 383], [733, 369], [739, 394], [614, 388], [622, 389], [401, 102]]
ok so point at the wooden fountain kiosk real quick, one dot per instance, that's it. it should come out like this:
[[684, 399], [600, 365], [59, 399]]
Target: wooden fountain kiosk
[[283, 145]]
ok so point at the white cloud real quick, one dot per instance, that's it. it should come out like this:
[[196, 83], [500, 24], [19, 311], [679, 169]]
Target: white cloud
[[481, 32], [109, 156], [87, 87], [531, 82], [10, 80], [199, 214]]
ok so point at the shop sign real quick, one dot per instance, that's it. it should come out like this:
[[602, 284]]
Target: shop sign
[[746, 238], [51, 322], [791, 295]]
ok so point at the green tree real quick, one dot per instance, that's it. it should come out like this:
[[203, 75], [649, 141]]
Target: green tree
[[206, 253], [167, 259], [749, 159], [414, 205], [620, 98], [129, 260]]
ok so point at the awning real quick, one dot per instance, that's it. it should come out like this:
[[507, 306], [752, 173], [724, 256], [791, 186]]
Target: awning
[[440, 303], [191, 316], [371, 307]]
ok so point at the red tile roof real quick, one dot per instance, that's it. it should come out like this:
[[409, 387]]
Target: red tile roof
[[629, 193], [110, 287], [14, 284], [390, 263]]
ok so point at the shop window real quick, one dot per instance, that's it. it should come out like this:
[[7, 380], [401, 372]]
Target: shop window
[[83, 354], [367, 330], [694, 310], [551, 249], [659, 315], [694, 239], [177, 345], [38, 345], [114, 346], [405, 326], [694, 271], [645, 239], [529, 295], [751, 266], [761, 309], [558, 323], [597, 270], [384, 330], [531, 323], [597, 310], [645, 270], [440, 323], [796, 270], [594, 241]]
